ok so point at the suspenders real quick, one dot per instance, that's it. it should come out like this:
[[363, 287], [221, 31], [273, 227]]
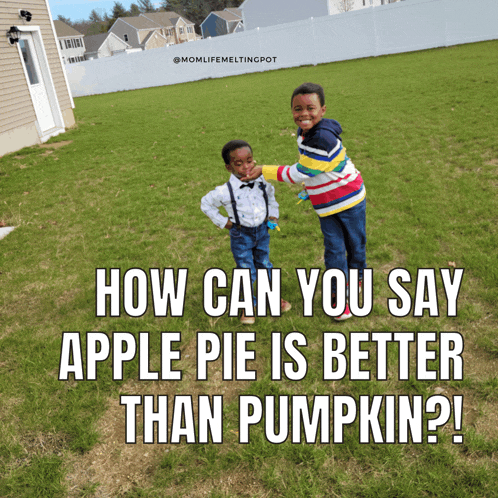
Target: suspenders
[[261, 185]]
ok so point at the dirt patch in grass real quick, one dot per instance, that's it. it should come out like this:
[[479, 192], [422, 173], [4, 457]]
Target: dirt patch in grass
[[44, 443], [114, 467], [56, 145], [236, 483]]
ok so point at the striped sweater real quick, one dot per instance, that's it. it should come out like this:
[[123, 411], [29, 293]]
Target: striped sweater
[[331, 179]]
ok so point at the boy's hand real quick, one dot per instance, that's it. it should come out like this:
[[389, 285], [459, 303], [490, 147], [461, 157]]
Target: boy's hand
[[253, 173], [229, 225], [273, 223]]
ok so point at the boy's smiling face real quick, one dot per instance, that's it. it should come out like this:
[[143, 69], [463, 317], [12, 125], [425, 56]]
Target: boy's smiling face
[[307, 110], [241, 161]]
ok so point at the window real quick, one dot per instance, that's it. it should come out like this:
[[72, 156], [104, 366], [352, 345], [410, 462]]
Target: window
[[125, 38], [28, 62], [181, 30], [77, 42], [68, 43], [190, 29]]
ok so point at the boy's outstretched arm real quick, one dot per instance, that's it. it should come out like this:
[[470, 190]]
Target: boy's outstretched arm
[[253, 173], [269, 173]]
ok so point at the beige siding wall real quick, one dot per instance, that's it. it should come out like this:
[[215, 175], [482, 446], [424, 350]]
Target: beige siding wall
[[185, 36], [142, 34], [113, 45], [169, 34], [16, 109], [156, 41]]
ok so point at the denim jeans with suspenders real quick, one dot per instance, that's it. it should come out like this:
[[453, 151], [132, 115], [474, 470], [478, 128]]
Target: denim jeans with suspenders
[[250, 245]]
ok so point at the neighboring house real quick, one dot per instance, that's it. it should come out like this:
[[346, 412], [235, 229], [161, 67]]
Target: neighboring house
[[139, 32], [70, 42], [222, 22], [152, 30], [175, 28], [105, 45], [35, 100], [261, 13]]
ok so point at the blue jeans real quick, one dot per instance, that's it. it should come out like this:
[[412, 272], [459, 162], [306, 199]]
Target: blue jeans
[[251, 249], [345, 239]]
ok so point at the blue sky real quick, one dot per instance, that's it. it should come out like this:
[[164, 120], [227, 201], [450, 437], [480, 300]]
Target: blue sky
[[80, 9]]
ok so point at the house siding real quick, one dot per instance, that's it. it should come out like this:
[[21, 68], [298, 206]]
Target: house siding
[[120, 28], [16, 108], [110, 46], [75, 52], [156, 41], [142, 34], [209, 26], [185, 36]]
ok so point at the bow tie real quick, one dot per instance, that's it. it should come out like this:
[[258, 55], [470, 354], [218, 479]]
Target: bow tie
[[250, 185]]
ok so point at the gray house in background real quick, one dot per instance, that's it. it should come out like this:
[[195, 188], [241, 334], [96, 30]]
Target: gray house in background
[[222, 22], [104, 45], [70, 42], [139, 32]]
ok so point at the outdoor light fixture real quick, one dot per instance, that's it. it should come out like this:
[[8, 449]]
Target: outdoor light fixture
[[13, 35], [24, 14]]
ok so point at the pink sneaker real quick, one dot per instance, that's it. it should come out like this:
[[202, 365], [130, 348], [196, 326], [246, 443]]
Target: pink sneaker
[[347, 314]]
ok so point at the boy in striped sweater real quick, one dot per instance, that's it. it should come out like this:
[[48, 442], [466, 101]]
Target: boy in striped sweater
[[334, 185]]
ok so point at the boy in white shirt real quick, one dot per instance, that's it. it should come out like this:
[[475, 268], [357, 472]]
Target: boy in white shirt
[[250, 205]]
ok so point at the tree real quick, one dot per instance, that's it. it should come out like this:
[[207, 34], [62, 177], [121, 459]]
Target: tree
[[65, 20], [95, 16], [134, 10], [118, 10], [345, 5], [146, 6]]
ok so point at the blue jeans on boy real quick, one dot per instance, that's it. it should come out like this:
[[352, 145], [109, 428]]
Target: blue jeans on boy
[[251, 249], [345, 238]]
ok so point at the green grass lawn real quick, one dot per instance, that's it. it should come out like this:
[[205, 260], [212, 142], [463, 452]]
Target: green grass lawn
[[123, 189]]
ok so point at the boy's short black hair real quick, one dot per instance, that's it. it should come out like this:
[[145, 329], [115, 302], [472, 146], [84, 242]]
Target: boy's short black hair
[[230, 147], [307, 88]]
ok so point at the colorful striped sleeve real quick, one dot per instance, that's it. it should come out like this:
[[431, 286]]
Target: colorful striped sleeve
[[282, 173]]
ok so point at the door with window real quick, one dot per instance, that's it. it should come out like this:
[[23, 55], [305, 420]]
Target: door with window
[[37, 85]]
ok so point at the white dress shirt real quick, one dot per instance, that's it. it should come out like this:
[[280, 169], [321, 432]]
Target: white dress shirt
[[250, 202]]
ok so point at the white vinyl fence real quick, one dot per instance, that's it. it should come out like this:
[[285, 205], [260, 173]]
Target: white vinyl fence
[[393, 28]]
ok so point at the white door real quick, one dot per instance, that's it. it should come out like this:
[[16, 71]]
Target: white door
[[36, 83]]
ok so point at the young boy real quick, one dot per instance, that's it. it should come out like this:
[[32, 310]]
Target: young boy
[[249, 206], [334, 185]]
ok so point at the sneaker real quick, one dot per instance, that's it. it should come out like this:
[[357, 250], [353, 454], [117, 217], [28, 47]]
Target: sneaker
[[247, 320], [285, 306], [347, 314]]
